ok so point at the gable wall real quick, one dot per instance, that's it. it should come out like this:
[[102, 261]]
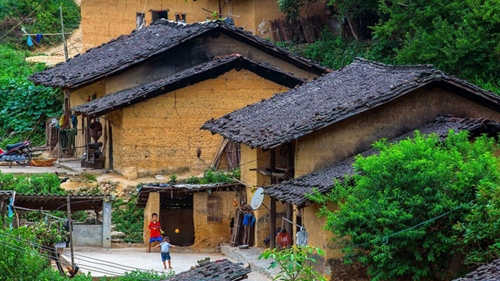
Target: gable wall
[[356, 134], [193, 53], [161, 134], [224, 45]]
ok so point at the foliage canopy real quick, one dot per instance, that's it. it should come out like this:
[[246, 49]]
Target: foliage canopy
[[415, 204], [459, 37]]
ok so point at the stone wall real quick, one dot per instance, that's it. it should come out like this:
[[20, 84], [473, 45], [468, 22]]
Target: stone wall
[[87, 235]]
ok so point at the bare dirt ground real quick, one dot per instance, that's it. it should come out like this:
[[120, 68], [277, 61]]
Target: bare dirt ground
[[53, 55]]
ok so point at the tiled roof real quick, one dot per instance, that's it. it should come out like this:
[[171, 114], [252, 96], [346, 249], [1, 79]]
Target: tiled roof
[[51, 202], [144, 190], [214, 271], [140, 45], [294, 191], [356, 88], [188, 76], [488, 272]]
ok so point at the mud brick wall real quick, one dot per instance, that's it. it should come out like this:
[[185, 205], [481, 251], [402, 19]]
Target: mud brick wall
[[103, 20], [161, 135], [211, 227], [356, 134]]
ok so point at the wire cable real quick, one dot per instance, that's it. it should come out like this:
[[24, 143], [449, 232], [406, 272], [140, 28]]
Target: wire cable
[[83, 266], [34, 10], [81, 256]]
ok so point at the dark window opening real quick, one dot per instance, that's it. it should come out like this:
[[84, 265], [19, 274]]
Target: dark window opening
[[180, 17], [159, 14]]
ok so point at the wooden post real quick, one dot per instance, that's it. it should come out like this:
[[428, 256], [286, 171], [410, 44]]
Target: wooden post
[[110, 145], [273, 165], [70, 224], [63, 36], [289, 216], [272, 242]]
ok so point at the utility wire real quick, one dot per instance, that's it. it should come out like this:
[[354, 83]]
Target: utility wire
[[385, 238], [87, 265], [5, 35], [82, 257]]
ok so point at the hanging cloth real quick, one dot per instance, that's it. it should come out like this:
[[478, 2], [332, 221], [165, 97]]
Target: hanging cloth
[[38, 38], [11, 213], [246, 219], [302, 237], [30, 41]]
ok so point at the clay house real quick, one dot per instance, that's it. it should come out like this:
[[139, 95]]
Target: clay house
[[197, 215], [103, 20], [141, 98], [307, 136]]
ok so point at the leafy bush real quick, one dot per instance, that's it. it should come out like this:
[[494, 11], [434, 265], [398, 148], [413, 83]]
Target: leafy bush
[[416, 203], [25, 107], [129, 219], [36, 184], [23, 259], [145, 275], [334, 51], [295, 263]]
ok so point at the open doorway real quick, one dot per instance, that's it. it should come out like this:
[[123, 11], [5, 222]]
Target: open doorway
[[176, 217]]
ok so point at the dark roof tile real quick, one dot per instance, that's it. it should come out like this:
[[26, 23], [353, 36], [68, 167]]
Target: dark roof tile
[[140, 45], [191, 75], [213, 271], [488, 272], [331, 98], [294, 191]]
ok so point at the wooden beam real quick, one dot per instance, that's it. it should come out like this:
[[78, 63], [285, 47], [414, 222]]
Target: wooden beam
[[272, 242]]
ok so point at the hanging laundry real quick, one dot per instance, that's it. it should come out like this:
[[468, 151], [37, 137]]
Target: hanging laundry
[[38, 38], [247, 219], [30, 42], [302, 237], [74, 121]]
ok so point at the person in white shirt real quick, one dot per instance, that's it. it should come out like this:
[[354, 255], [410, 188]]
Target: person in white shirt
[[165, 252]]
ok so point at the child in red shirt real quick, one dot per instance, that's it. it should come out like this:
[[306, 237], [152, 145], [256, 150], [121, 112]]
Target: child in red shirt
[[155, 229]]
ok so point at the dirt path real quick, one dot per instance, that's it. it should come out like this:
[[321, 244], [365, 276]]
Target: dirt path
[[53, 55]]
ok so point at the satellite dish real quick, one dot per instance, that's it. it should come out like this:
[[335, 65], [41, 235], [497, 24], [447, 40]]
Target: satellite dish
[[257, 198]]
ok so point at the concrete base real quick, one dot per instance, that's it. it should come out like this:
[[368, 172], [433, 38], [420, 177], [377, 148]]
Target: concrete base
[[250, 257]]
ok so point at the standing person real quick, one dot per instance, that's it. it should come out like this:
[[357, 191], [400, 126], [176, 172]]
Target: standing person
[[155, 229], [165, 252]]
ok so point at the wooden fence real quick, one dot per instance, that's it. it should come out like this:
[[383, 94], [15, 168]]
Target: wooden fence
[[305, 29]]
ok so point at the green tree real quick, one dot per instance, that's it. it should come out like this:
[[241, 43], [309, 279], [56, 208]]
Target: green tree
[[25, 107], [408, 209], [459, 37]]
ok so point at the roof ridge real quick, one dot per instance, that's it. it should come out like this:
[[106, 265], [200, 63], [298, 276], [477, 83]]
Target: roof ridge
[[393, 66]]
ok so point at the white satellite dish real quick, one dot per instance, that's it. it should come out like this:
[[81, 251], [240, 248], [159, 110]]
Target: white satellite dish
[[257, 198]]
